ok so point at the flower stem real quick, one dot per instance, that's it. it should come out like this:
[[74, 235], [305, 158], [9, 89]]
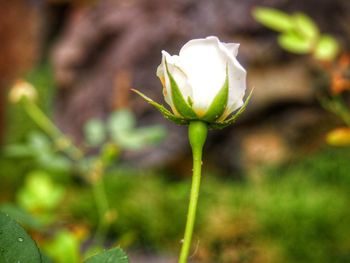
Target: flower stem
[[60, 140], [197, 134], [101, 200]]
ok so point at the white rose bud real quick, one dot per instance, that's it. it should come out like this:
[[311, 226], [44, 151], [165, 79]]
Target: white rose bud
[[204, 82]]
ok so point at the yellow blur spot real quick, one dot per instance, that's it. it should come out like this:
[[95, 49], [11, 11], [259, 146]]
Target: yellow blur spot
[[339, 137]]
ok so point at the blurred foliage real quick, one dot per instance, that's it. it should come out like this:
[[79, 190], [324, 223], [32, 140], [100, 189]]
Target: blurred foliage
[[298, 217], [17, 246], [64, 247], [19, 126], [121, 129], [40, 195], [301, 216], [39, 149], [51, 155], [298, 33], [18, 123], [112, 255]]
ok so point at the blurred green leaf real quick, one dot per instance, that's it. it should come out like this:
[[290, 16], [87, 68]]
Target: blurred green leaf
[[115, 255], [39, 142], [85, 165], [152, 134], [63, 248], [40, 192], [141, 137], [15, 244], [295, 43], [20, 215], [95, 132], [327, 48], [19, 151], [305, 26], [337, 106], [130, 140], [123, 132], [121, 121], [54, 162], [273, 18]]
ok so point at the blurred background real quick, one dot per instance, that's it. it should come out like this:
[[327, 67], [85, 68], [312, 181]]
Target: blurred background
[[86, 164]]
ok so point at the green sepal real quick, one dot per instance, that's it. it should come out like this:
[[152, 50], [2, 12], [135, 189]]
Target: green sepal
[[179, 102], [233, 118], [218, 106], [166, 113]]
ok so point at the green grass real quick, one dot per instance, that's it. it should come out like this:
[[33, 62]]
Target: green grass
[[297, 213]]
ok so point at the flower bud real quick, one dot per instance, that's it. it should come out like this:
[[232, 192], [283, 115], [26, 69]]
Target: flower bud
[[22, 89], [204, 82]]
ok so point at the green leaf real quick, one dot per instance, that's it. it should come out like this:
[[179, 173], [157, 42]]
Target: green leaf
[[295, 43], [152, 134], [273, 19], [115, 255], [219, 103], [305, 26], [19, 151], [21, 216], [121, 124], [166, 113], [179, 102], [95, 132], [40, 142], [121, 121], [141, 137], [15, 244], [64, 247], [54, 162], [233, 119], [327, 48], [40, 192], [128, 141]]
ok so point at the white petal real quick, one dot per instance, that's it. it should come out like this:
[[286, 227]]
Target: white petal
[[204, 63], [180, 77], [237, 80], [232, 48]]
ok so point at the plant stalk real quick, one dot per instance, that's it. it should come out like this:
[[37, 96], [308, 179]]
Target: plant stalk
[[60, 140], [101, 200], [197, 133]]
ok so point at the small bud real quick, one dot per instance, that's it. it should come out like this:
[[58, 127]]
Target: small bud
[[22, 89]]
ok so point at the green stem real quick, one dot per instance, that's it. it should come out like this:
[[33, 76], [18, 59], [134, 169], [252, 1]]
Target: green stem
[[39, 117], [101, 201], [197, 133], [64, 144]]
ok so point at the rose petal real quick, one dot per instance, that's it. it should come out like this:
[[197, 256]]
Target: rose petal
[[205, 66], [179, 76]]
